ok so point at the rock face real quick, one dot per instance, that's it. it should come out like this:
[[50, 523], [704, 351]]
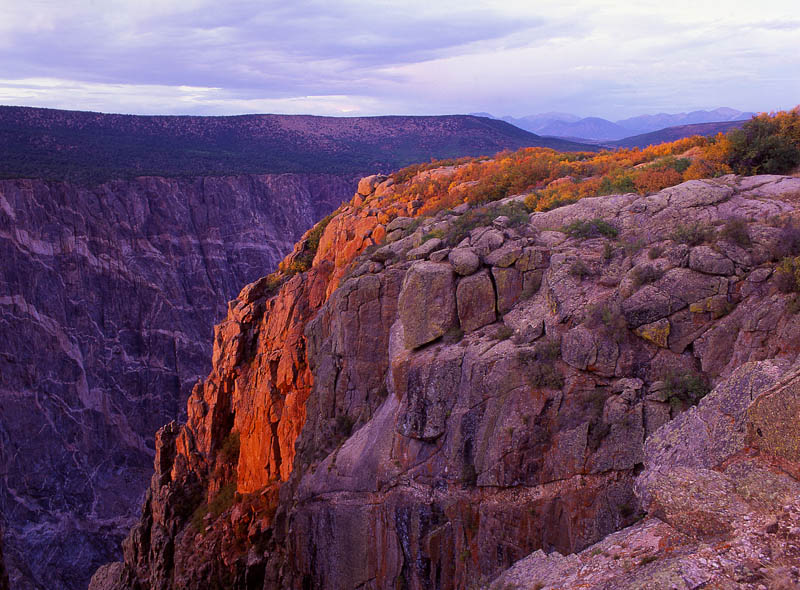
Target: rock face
[[342, 442], [722, 487], [107, 301]]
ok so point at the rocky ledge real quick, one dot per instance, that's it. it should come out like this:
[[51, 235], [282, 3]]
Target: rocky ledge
[[436, 399]]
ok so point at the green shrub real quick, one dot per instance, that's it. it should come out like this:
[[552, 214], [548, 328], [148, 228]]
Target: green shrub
[[579, 269], [503, 332], [692, 234], [590, 229], [609, 318], [223, 500], [303, 261], [787, 275], [617, 185], [686, 387], [344, 425], [460, 228], [735, 231], [760, 148], [229, 450]]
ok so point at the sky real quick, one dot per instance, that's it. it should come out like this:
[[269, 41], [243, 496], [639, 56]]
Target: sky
[[370, 57]]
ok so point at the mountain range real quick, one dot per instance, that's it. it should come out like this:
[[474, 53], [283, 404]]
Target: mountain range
[[595, 128]]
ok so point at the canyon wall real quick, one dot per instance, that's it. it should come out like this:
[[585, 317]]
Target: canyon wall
[[435, 399], [108, 297]]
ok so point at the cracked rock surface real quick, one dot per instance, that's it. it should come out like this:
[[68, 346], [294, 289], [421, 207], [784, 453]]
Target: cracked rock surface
[[556, 372]]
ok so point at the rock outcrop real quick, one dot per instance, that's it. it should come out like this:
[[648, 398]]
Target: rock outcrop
[[370, 424], [108, 297], [722, 491]]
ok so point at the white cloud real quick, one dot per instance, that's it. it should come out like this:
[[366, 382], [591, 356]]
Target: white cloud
[[594, 57]]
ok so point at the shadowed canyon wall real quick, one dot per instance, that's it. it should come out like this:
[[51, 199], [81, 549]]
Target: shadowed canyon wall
[[108, 296]]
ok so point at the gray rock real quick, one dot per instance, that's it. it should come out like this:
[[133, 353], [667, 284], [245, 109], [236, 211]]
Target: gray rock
[[508, 283], [475, 298], [488, 242], [439, 255], [399, 223], [505, 256], [706, 260], [464, 261], [425, 249], [578, 348], [427, 305]]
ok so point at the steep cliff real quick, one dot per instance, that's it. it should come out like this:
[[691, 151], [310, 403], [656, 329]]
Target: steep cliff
[[436, 398], [108, 297]]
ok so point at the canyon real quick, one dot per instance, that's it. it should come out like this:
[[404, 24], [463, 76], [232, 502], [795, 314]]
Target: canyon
[[109, 295], [601, 393], [122, 239]]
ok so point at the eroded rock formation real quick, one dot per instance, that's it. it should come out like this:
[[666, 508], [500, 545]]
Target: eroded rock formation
[[464, 393], [108, 296]]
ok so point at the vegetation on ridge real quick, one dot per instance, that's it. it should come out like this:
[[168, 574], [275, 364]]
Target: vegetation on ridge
[[769, 143]]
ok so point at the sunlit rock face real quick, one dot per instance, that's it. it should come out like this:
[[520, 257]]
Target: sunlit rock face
[[340, 441], [108, 297]]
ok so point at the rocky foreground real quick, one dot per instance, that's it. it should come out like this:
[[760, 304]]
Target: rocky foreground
[[488, 397]]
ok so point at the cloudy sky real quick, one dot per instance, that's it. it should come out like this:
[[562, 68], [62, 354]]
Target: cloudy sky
[[367, 57]]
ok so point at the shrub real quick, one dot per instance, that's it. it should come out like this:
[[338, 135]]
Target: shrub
[[608, 251], [229, 450], [787, 275], [633, 247], [686, 387], [793, 305], [503, 332], [788, 243], [644, 275], [590, 229], [692, 234], [548, 349], [735, 231], [609, 318], [762, 147], [655, 252], [223, 500], [302, 262], [460, 228], [579, 269]]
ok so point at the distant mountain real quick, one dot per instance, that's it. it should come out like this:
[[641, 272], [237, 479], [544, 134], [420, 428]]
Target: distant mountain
[[590, 128], [72, 145], [647, 123], [678, 132], [565, 125]]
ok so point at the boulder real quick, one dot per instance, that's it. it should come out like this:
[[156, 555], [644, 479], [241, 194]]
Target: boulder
[[464, 261], [475, 299], [487, 242], [366, 185], [399, 223], [508, 282], [427, 306], [706, 260], [425, 249], [505, 256]]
